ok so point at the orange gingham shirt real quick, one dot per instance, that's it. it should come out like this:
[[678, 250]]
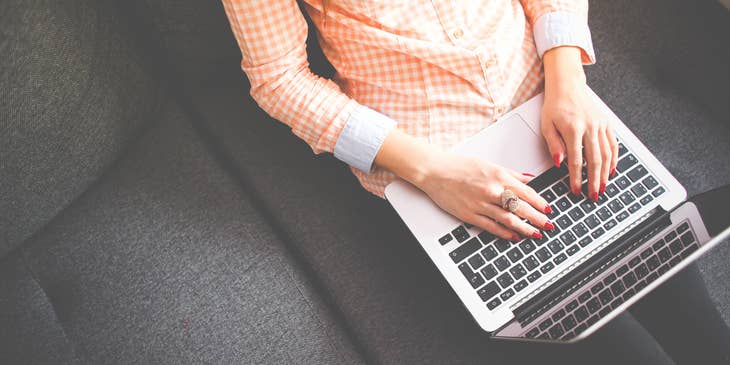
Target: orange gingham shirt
[[440, 70]]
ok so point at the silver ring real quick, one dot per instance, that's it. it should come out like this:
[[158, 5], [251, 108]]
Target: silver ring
[[510, 201]]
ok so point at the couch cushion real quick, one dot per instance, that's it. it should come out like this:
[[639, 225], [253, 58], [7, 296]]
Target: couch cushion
[[68, 106], [164, 260]]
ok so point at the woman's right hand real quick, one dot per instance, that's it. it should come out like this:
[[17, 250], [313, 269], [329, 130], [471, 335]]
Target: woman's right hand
[[470, 189]]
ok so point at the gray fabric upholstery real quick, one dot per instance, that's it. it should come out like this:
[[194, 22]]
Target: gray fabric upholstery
[[164, 261], [73, 94], [30, 332]]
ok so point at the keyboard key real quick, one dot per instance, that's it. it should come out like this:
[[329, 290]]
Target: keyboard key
[[628, 294], [468, 226], [638, 190], [569, 322], [560, 189], [637, 173], [634, 208], [610, 224], [689, 250], [629, 279], [581, 314], [534, 276], [465, 250], [606, 297], [554, 232], [683, 227], [563, 204], [634, 261], [585, 241], [540, 241], [592, 221], [615, 206], [486, 237], [646, 200], [502, 245], [547, 267], [584, 296], [611, 190], [617, 288], [543, 254], [507, 294], [476, 261], [476, 280], [559, 259], [641, 271], [598, 233], [626, 162], [527, 246], [674, 261], [546, 324], [623, 183], [530, 263], [520, 285], [532, 333], [676, 246], [489, 272], [446, 239], [555, 246], [640, 285], [580, 329], [616, 302], [564, 221], [604, 213], [622, 149], [556, 331], [514, 254], [626, 197], [687, 239], [622, 270], [576, 213], [548, 195], [622, 216], [489, 253], [646, 253], [518, 271], [571, 306], [604, 311], [653, 263], [653, 276], [670, 236], [650, 182], [568, 238], [575, 199], [493, 303], [460, 233], [609, 279], [488, 291], [593, 305], [602, 199], [501, 263], [657, 192], [505, 280], [664, 255], [588, 206], [658, 244], [597, 288], [662, 269], [572, 250]]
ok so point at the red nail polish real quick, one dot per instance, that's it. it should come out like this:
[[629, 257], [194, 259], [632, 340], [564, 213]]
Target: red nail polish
[[549, 226], [594, 196], [603, 188], [613, 172], [557, 158], [576, 192], [516, 238], [548, 209], [528, 174], [536, 235]]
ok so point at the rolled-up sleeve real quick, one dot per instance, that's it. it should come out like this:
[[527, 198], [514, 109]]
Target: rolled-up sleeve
[[272, 37], [560, 23]]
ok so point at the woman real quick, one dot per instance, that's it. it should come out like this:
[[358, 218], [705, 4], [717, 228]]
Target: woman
[[416, 77]]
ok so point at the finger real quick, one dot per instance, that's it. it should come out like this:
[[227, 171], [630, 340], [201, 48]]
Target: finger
[[592, 148], [529, 196], [489, 225], [511, 221], [554, 142], [614, 150], [523, 177], [575, 160], [606, 156], [535, 217]]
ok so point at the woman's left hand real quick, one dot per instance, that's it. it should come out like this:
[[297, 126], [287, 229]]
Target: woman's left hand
[[574, 128]]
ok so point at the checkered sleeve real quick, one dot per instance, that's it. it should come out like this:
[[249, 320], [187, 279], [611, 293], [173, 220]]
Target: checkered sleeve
[[272, 37], [560, 23]]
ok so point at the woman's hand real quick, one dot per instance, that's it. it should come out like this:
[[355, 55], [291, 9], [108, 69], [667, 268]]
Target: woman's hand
[[572, 125], [471, 190]]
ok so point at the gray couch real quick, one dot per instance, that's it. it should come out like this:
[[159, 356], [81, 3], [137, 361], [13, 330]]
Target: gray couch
[[151, 213]]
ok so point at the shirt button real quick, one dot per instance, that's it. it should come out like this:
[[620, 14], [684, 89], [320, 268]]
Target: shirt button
[[490, 62], [458, 33], [500, 110]]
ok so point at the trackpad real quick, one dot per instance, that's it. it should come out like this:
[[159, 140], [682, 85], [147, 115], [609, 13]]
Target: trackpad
[[512, 143]]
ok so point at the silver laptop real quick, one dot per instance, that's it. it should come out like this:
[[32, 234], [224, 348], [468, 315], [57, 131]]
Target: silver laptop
[[601, 258]]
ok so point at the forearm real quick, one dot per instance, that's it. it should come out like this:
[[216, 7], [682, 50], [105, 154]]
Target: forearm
[[406, 156]]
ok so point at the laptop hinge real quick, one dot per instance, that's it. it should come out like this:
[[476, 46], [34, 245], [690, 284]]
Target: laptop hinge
[[621, 244]]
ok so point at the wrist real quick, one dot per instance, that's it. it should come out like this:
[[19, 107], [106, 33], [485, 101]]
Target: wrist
[[563, 69]]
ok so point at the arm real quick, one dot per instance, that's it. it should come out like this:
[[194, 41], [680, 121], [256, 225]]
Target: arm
[[272, 37]]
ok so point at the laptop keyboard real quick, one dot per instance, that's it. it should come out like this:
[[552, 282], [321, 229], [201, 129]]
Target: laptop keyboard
[[497, 269], [617, 286]]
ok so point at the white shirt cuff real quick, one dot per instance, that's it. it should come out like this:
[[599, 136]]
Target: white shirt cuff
[[563, 29], [362, 136]]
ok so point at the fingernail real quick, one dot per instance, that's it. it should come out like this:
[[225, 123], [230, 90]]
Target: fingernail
[[613, 172], [576, 192], [557, 158], [528, 174], [594, 196], [549, 226], [516, 238], [602, 189], [536, 235], [548, 209]]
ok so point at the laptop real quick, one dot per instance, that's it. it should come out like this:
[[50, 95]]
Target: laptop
[[601, 258]]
